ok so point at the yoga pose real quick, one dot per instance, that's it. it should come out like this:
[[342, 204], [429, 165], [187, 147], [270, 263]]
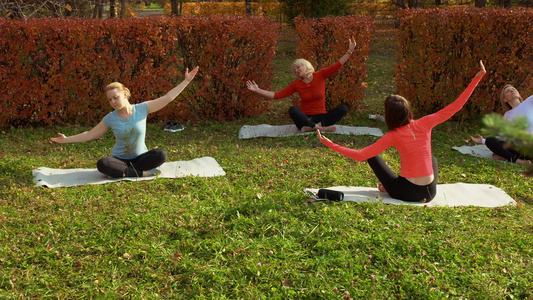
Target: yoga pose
[[512, 102], [412, 138], [129, 157], [311, 86]]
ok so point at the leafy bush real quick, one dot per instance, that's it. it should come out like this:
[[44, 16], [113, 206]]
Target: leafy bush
[[59, 75], [439, 51]]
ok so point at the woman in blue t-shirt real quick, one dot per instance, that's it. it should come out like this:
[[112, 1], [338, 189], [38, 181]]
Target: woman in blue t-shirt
[[129, 157]]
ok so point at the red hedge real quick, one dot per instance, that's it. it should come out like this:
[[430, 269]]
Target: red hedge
[[54, 70], [323, 41], [439, 51]]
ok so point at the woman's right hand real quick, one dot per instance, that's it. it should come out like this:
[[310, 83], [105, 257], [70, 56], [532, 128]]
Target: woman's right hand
[[478, 139], [59, 139], [252, 86]]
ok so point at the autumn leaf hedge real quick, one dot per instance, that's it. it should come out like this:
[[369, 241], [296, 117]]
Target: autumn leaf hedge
[[54, 70], [323, 41], [439, 51]]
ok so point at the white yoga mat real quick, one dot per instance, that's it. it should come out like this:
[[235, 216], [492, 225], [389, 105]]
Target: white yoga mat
[[455, 194], [477, 151], [265, 130], [52, 178]]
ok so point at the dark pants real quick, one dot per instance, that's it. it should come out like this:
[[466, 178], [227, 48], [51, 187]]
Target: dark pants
[[331, 117], [399, 187], [118, 168], [498, 147]]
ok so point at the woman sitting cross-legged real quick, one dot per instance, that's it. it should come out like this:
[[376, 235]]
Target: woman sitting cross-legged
[[512, 102], [311, 86], [412, 138], [129, 157]]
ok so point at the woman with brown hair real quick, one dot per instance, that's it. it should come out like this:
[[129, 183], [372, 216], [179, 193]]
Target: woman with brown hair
[[412, 138]]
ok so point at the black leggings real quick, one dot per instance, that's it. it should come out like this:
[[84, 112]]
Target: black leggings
[[118, 168], [498, 147], [399, 187], [331, 117]]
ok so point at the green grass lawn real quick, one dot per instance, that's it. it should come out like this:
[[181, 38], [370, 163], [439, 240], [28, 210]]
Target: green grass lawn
[[253, 234]]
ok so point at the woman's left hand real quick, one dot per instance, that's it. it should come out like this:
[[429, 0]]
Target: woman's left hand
[[321, 137], [478, 139], [482, 71], [190, 75], [351, 46]]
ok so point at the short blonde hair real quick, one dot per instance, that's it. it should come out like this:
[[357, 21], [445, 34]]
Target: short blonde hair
[[303, 62], [120, 87], [506, 105]]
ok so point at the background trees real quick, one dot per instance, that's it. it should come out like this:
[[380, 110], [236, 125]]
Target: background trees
[[291, 8], [69, 8]]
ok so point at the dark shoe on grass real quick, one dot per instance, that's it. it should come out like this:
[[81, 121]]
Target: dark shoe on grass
[[176, 127]]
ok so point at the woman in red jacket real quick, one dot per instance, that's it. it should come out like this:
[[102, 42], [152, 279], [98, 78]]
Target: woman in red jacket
[[311, 86], [412, 138]]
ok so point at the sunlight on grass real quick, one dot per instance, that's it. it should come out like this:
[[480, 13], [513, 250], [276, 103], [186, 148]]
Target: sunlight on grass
[[253, 234]]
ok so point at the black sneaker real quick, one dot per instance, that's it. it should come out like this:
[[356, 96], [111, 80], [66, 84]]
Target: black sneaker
[[167, 126], [176, 127]]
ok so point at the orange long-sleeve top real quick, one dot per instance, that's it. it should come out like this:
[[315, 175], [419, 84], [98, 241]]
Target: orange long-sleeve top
[[412, 141], [313, 94]]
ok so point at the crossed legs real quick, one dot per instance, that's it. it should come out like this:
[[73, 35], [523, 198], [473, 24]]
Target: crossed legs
[[136, 167], [503, 152], [323, 122]]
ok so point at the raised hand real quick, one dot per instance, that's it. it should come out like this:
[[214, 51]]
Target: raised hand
[[252, 86], [482, 71], [190, 75], [352, 44]]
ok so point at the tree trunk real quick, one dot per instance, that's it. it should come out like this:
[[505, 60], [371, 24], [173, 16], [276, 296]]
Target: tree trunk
[[480, 3], [413, 3], [122, 8], [112, 9], [506, 3], [175, 6], [248, 7], [98, 9]]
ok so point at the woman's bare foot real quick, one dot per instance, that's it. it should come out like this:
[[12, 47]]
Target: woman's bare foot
[[307, 129], [497, 157], [330, 128], [523, 162], [381, 188]]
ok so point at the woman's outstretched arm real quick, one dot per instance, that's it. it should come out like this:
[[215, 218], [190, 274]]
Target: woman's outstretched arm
[[351, 48], [252, 86], [448, 111], [92, 134], [157, 104]]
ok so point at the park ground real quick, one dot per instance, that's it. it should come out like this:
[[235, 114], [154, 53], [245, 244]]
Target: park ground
[[253, 234]]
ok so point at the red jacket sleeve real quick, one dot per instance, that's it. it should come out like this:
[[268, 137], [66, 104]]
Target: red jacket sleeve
[[361, 155], [328, 71], [286, 92]]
